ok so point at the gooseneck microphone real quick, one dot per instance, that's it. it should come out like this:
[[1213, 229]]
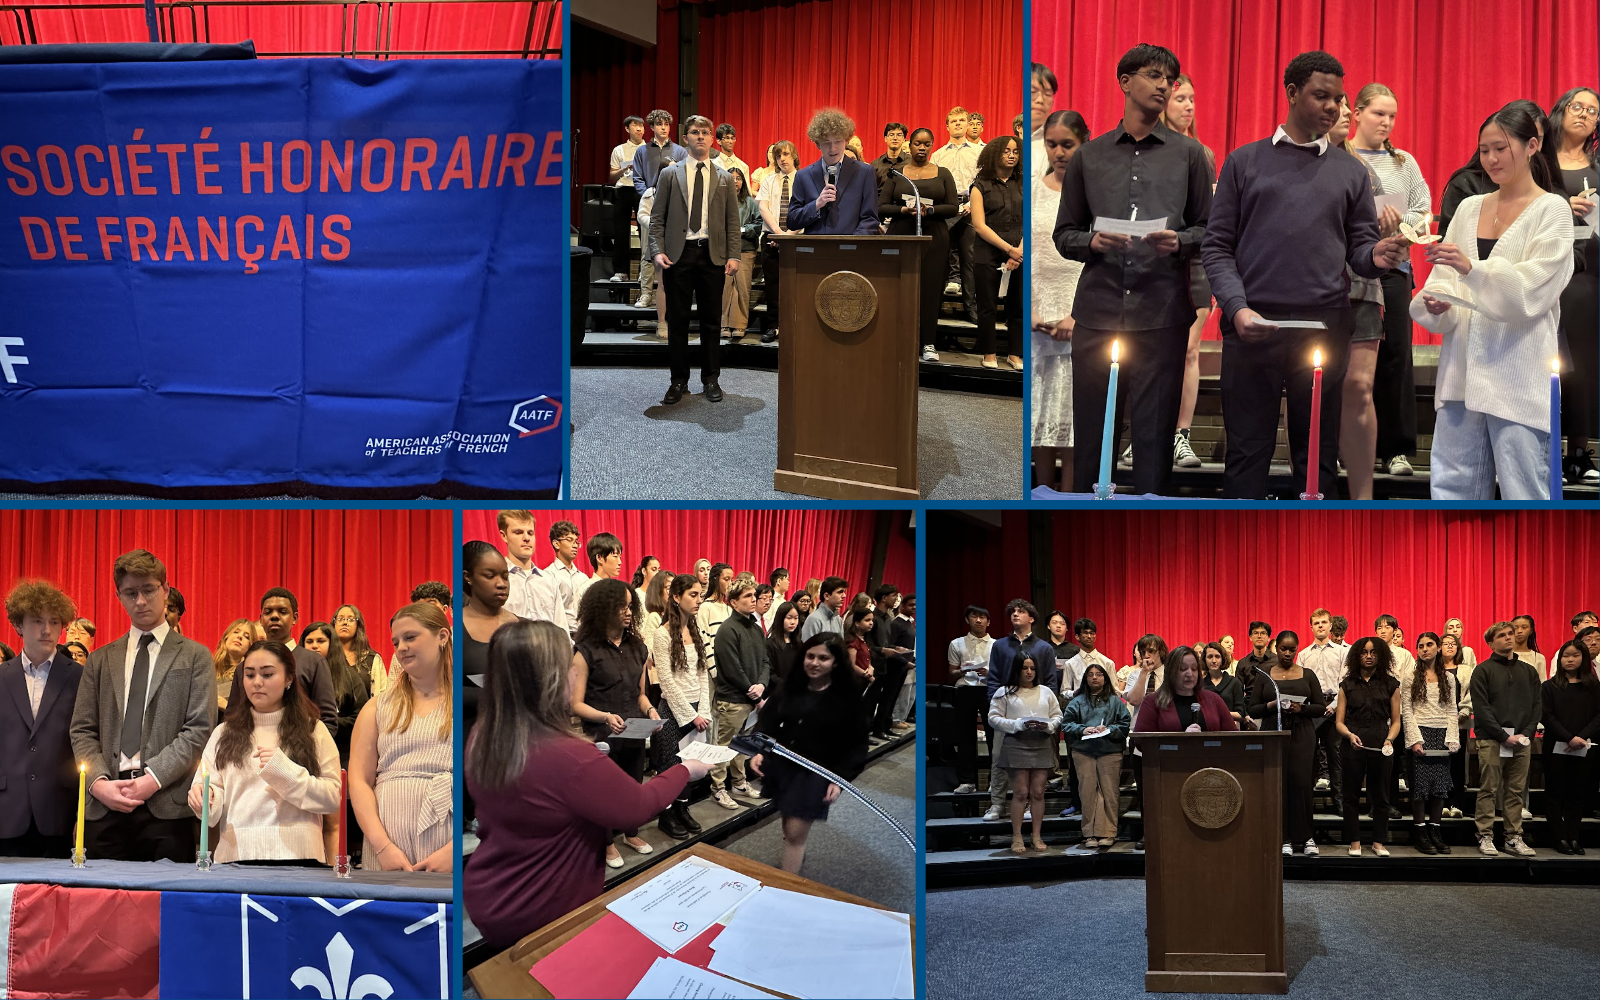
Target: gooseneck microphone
[[915, 194], [751, 743]]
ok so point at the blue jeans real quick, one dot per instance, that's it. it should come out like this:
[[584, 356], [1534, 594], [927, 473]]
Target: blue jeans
[[1471, 450]]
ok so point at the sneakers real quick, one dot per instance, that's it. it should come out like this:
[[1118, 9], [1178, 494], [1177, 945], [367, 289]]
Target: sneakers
[[1580, 468], [966, 788], [644, 302], [1288, 851], [1514, 845], [929, 354], [1311, 849], [1455, 812], [1403, 786], [1400, 466], [724, 799], [1069, 812], [1526, 814], [992, 815], [1486, 846], [1322, 784], [743, 788], [620, 276], [952, 288], [1183, 456], [1126, 461]]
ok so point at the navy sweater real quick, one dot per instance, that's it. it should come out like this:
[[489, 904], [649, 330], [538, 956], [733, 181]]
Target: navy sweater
[[1284, 223]]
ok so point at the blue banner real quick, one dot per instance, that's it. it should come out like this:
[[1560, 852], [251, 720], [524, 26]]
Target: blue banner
[[243, 946], [234, 273]]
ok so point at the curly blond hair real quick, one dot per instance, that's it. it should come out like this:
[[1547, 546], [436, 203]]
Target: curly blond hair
[[39, 599], [828, 123]]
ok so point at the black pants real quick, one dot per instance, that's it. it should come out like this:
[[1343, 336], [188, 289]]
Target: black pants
[[33, 844], [694, 280], [887, 681], [961, 249], [623, 202], [628, 755], [986, 282], [1255, 377], [140, 836], [1149, 390], [1394, 386], [1299, 782], [1375, 769], [933, 272], [1328, 741], [969, 703], [769, 275], [1569, 785]]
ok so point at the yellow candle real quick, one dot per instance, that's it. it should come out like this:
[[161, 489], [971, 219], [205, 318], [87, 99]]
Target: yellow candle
[[83, 771]]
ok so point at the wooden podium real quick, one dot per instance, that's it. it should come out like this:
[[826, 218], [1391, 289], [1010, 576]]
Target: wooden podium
[[847, 366], [1213, 865]]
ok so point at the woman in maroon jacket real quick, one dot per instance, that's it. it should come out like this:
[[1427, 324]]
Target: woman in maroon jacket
[[547, 800], [1173, 709]]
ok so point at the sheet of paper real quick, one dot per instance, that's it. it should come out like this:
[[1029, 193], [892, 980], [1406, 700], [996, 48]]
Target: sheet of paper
[[692, 735], [1506, 751], [638, 729], [1436, 753], [1129, 227], [868, 950], [1296, 324], [911, 199], [708, 752], [1396, 201], [1560, 747], [476, 679], [1454, 300], [670, 979], [1095, 735], [1292, 699], [673, 908]]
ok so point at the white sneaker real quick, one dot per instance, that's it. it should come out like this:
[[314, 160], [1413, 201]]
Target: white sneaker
[[1183, 455], [929, 354], [724, 799], [1486, 847], [620, 276], [992, 815], [1405, 788], [1400, 466], [1288, 851], [743, 788], [1514, 845], [1322, 784], [1526, 814], [644, 302], [1126, 461], [952, 288], [1027, 813], [1311, 849], [966, 789]]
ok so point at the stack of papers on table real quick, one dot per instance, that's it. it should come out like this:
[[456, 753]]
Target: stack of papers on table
[[678, 905], [670, 979], [816, 948]]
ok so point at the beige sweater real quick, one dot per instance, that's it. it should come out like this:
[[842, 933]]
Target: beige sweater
[[271, 813]]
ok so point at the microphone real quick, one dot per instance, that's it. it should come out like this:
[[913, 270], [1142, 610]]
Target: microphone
[[833, 173], [915, 194], [1194, 708], [751, 743], [1276, 697]]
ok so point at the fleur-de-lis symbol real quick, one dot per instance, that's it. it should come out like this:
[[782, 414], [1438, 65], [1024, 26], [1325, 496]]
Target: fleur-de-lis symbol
[[340, 957]]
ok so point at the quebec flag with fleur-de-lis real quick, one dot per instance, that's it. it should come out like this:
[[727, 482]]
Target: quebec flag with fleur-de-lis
[[296, 946]]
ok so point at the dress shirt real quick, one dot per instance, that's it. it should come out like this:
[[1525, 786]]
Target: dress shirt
[[1367, 707], [727, 161], [824, 619], [1072, 671], [961, 159], [534, 596], [1163, 175], [1320, 143], [622, 158], [706, 172], [125, 762], [36, 675], [1326, 660], [884, 164], [970, 651], [770, 195], [566, 580]]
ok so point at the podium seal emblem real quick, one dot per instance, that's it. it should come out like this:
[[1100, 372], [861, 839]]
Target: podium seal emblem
[[846, 301], [1211, 798]]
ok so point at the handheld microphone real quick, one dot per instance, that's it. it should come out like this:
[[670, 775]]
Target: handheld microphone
[[751, 743], [1194, 708]]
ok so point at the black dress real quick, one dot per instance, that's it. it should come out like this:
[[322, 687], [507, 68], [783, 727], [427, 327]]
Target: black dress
[[825, 727], [1002, 212], [613, 686], [1300, 757], [1580, 321], [892, 192]]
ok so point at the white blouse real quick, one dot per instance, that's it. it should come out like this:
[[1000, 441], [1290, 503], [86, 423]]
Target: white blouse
[[681, 689], [1432, 711]]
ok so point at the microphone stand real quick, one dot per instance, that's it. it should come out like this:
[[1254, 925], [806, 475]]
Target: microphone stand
[[915, 194], [752, 743], [1276, 697]]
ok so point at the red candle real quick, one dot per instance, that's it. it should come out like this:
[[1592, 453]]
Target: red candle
[[1314, 438], [344, 811]]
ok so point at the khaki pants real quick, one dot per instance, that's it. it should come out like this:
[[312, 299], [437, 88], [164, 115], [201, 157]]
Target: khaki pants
[[1098, 779], [736, 295], [1508, 775], [730, 720]]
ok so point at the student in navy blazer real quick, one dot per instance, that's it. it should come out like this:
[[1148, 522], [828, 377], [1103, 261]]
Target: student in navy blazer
[[38, 688], [849, 207]]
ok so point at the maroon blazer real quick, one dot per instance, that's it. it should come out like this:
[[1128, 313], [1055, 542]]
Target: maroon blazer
[[1153, 719]]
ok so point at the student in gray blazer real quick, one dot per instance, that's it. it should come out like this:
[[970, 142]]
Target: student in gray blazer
[[694, 241], [145, 708]]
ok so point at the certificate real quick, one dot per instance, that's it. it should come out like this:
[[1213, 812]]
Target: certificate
[[1129, 227], [638, 729], [1296, 324]]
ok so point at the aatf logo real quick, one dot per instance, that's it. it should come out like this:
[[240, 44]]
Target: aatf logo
[[9, 361], [536, 415]]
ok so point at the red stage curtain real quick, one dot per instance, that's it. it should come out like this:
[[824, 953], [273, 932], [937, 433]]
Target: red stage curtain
[[766, 67], [224, 560], [1191, 575], [1451, 63], [970, 563], [451, 27], [809, 543]]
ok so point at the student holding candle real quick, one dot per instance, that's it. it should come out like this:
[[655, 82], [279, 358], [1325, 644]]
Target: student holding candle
[[1133, 289], [38, 775], [271, 769], [1508, 254], [1289, 217], [1571, 148]]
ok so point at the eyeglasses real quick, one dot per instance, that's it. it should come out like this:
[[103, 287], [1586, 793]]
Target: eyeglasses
[[148, 592], [1582, 111], [345, 620], [1157, 75]]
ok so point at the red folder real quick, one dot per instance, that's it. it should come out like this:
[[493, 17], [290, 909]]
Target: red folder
[[609, 957]]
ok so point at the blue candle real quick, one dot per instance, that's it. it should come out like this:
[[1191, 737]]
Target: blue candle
[[1555, 429], [1111, 421]]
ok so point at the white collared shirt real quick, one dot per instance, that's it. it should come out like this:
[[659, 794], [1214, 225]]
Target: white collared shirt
[[1326, 661], [566, 580], [1073, 670], [691, 165], [970, 651], [1320, 144], [622, 158], [961, 159], [36, 676], [535, 596], [161, 631], [770, 195], [727, 161]]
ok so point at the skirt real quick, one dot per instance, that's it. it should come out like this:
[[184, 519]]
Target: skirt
[[1430, 776], [796, 791], [1052, 401], [1368, 322], [1026, 750]]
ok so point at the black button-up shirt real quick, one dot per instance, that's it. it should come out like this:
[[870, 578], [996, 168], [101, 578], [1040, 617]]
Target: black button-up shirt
[[1366, 706], [883, 164], [1163, 174]]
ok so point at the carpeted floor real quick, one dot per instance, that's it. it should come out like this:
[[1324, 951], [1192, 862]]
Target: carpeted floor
[[855, 850], [627, 446], [1344, 940]]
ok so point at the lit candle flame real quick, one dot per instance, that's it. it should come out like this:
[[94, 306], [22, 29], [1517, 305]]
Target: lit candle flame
[[1555, 365], [1316, 359], [83, 768], [1114, 345]]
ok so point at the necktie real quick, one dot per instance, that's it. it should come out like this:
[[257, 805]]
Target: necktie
[[783, 205], [133, 716], [697, 206]]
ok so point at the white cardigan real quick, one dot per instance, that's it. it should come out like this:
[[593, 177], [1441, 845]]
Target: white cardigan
[[1496, 358], [271, 813], [1010, 712]]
